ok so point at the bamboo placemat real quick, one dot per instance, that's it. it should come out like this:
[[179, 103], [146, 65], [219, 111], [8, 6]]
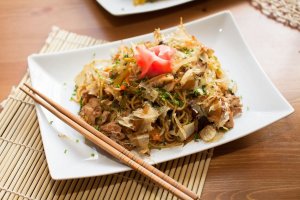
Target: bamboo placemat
[[23, 168]]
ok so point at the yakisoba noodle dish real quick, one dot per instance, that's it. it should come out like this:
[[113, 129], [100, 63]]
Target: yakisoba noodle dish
[[158, 94]]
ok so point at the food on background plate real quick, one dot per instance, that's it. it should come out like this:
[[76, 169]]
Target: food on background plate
[[140, 2], [158, 94]]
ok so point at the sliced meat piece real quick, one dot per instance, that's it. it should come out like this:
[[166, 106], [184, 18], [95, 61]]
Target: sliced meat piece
[[87, 114], [230, 123], [94, 102], [113, 130], [86, 97], [103, 118], [91, 110], [236, 110], [235, 105]]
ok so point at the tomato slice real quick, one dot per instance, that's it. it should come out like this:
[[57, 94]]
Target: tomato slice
[[154, 61]]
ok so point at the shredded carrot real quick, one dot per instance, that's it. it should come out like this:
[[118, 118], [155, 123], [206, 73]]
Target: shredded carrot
[[107, 69], [155, 136], [123, 87]]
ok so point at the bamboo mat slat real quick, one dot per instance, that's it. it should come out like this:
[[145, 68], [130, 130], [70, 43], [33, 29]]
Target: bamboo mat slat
[[23, 168]]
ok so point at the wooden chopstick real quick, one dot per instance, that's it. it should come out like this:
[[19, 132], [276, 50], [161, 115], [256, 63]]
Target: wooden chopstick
[[112, 147]]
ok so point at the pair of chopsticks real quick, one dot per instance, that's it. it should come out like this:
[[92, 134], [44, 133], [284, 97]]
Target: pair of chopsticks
[[111, 146]]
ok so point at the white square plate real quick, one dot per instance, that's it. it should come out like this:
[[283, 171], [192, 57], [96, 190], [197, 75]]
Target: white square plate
[[126, 7], [53, 75]]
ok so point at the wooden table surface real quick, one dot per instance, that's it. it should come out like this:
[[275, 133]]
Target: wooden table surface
[[263, 165]]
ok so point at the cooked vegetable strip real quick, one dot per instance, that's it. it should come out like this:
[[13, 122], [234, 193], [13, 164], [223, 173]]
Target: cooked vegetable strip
[[159, 93]]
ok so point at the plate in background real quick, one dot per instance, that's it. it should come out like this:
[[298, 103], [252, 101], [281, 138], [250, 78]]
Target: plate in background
[[126, 7]]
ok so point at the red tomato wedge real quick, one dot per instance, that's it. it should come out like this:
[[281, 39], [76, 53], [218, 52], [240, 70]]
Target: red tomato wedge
[[154, 61]]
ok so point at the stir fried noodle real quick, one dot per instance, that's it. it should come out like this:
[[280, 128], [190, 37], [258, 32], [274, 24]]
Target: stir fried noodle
[[158, 94]]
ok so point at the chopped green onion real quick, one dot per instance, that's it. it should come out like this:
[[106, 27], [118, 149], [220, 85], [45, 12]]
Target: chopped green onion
[[117, 62], [81, 103], [196, 137], [97, 127]]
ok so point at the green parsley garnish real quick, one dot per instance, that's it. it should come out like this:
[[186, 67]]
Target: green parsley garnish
[[200, 91], [117, 62], [81, 103], [65, 151], [196, 92], [97, 127], [176, 102], [74, 93], [187, 51], [167, 96], [164, 95], [204, 89], [196, 137], [139, 91]]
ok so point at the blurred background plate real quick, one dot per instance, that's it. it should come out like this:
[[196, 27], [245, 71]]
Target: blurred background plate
[[126, 7]]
